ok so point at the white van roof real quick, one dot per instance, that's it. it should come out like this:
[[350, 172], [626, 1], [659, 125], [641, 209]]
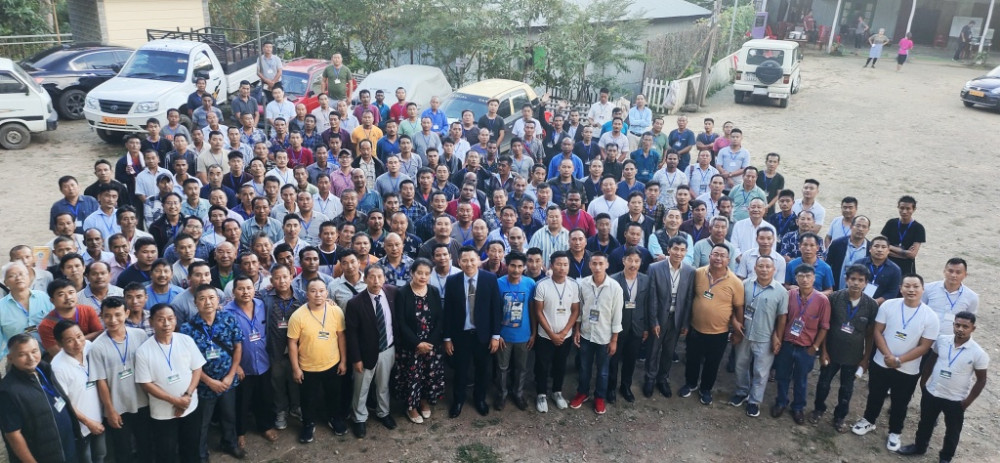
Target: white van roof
[[6, 64], [772, 44]]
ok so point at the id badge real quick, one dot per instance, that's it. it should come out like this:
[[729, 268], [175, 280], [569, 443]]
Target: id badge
[[595, 315], [900, 336], [79, 223], [629, 305], [560, 310], [173, 378], [702, 188], [283, 324], [707, 295], [125, 374], [336, 81], [796, 329], [31, 329], [732, 165], [870, 290], [59, 404], [847, 327], [944, 374], [323, 335], [516, 312], [254, 336], [949, 318], [91, 384], [212, 354], [748, 312], [645, 172]]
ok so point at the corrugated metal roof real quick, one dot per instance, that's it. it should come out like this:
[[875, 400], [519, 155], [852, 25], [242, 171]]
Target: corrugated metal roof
[[658, 9]]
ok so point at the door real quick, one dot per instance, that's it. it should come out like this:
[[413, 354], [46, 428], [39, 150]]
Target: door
[[16, 101], [204, 66], [925, 21]]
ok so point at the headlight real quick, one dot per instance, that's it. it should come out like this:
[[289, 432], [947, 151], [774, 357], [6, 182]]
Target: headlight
[[147, 107], [92, 103], [968, 84]]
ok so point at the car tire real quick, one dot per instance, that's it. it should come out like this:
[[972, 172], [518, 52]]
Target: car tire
[[968, 104], [796, 84], [738, 96], [70, 104], [14, 136], [110, 137], [783, 102]]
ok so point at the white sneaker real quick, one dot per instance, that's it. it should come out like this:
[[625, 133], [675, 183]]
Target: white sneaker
[[863, 427], [893, 443], [560, 401], [542, 404]]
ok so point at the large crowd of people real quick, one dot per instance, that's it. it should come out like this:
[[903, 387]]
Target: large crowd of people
[[347, 258]]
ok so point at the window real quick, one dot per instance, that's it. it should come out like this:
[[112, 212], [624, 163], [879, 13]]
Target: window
[[97, 60], [9, 84], [202, 63], [757, 56]]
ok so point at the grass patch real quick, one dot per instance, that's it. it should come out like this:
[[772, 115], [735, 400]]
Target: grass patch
[[477, 453]]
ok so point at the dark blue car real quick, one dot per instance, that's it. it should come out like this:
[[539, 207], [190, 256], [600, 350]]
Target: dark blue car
[[68, 72], [983, 90]]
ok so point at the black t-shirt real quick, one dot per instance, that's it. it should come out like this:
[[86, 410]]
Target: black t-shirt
[[771, 186], [904, 237], [494, 126]]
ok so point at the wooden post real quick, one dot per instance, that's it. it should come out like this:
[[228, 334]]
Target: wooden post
[[713, 34]]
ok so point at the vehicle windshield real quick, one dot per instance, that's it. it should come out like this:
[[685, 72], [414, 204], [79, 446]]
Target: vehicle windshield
[[156, 65], [295, 84], [26, 78], [995, 72], [758, 55], [44, 59], [454, 104]]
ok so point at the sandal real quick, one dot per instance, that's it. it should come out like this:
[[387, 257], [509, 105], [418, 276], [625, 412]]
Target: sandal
[[271, 435], [414, 419]]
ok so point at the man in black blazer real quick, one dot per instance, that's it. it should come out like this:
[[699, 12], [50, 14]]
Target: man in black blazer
[[671, 286], [471, 334], [370, 349], [635, 327]]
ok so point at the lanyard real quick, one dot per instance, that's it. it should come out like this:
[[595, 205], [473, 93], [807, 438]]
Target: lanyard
[[124, 355], [322, 323], [957, 298], [852, 310], [156, 297], [109, 224], [951, 359], [783, 223], [326, 260], [575, 222], [704, 175], [252, 319], [712, 284], [562, 293], [167, 354], [23, 308], [850, 257], [631, 289], [874, 273], [757, 293], [670, 179], [804, 305], [47, 385], [697, 236], [208, 333], [579, 268], [767, 183], [902, 314], [902, 233], [845, 230]]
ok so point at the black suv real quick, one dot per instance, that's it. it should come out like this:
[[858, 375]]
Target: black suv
[[68, 72]]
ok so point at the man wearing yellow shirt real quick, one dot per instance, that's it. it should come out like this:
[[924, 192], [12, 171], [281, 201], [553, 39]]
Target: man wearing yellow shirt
[[315, 345], [717, 298], [367, 130]]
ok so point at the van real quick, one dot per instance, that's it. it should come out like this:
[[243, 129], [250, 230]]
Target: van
[[768, 69], [25, 107]]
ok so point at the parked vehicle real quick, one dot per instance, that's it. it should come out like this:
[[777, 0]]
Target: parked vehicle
[[420, 82], [68, 72], [983, 90], [511, 93], [768, 69], [25, 107], [162, 73], [302, 81]]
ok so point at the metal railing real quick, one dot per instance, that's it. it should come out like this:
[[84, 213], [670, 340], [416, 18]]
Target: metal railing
[[232, 55], [18, 47]]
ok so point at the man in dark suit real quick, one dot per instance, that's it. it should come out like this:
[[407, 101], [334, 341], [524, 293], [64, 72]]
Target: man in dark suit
[[370, 350], [671, 284], [554, 135], [473, 312], [848, 250], [635, 326]]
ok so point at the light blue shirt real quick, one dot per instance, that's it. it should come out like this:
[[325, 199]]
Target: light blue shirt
[[153, 298], [14, 319], [640, 120], [106, 224]]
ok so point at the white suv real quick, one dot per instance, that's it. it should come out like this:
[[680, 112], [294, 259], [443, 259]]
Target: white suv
[[769, 69]]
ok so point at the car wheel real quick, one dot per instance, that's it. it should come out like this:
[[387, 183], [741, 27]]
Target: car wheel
[[71, 104], [738, 96], [14, 137], [783, 102], [796, 84], [110, 136], [968, 104]]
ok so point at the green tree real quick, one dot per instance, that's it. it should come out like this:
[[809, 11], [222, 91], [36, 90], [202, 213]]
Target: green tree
[[24, 17]]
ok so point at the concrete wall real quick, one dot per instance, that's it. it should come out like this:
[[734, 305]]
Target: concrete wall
[[86, 20], [720, 75], [127, 20]]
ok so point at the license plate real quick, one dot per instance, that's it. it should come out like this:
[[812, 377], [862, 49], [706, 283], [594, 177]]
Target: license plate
[[976, 93], [113, 120], [749, 77]]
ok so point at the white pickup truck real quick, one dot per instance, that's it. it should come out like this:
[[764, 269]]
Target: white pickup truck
[[161, 75]]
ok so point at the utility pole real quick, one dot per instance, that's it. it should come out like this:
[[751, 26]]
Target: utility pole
[[714, 37]]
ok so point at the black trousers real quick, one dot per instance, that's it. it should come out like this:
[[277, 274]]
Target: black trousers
[[954, 416], [550, 360], [322, 395], [704, 354], [254, 396], [136, 427], [470, 351], [177, 440], [825, 382], [881, 381], [629, 346]]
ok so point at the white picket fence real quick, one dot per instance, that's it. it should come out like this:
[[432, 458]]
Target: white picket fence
[[667, 97]]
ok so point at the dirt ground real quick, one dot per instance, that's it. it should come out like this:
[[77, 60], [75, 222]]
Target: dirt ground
[[874, 134]]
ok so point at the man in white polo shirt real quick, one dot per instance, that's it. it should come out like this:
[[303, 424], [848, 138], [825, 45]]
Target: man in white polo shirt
[[904, 331], [950, 296], [950, 385]]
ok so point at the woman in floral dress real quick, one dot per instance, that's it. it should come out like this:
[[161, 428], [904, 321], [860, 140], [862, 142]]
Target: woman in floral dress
[[419, 355]]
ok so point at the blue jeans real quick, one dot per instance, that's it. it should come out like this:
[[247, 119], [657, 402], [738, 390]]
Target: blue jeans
[[589, 354], [792, 364]]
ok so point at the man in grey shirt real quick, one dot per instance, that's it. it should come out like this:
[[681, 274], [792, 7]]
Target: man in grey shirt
[[390, 180], [199, 273], [763, 327], [268, 69]]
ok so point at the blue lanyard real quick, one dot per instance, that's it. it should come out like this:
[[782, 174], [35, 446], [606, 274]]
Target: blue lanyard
[[124, 356], [957, 298], [579, 269], [846, 230], [167, 354], [874, 273], [804, 305], [902, 314], [852, 310], [783, 223], [757, 293], [902, 233], [210, 334], [851, 257], [670, 180], [562, 293], [322, 323], [767, 183], [951, 359], [47, 385], [156, 297]]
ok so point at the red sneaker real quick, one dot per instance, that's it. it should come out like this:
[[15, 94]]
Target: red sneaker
[[599, 406], [578, 400]]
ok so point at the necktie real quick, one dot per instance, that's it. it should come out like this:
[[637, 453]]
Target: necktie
[[383, 340], [470, 294]]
